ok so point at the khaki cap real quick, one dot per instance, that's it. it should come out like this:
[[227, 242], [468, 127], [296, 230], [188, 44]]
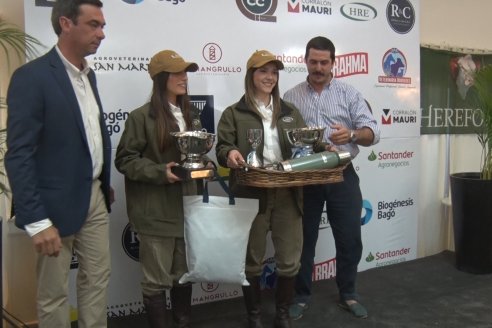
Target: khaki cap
[[169, 61], [262, 57]]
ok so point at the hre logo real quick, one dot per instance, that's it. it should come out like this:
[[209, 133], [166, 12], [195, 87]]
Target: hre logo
[[258, 10], [130, 243]]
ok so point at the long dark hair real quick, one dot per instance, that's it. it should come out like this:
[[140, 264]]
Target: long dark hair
[[249, 96], [161, 111]]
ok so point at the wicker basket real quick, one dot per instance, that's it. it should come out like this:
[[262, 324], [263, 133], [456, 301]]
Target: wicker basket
[[256, 177]]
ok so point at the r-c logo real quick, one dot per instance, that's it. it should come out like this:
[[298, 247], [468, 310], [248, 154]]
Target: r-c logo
[[400, 15], [130, 243], [258, 10]]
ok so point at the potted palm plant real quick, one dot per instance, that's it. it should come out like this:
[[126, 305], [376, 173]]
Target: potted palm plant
[[13, 41], [471, 191]]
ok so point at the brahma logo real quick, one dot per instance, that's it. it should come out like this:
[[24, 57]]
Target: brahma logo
[[400, 15], [325, 270], [358, 11], [258, 10], [322, 7], [394, 66], [351, 64], [130, 243]]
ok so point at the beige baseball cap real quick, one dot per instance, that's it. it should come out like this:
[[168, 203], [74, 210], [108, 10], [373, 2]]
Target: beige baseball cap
[[262, 57], [169, 61]]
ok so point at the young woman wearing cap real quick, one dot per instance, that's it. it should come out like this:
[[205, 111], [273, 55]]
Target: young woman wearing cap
[[280, 208], [154, 195]]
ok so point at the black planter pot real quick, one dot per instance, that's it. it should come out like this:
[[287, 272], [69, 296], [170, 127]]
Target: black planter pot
[[472, 222]]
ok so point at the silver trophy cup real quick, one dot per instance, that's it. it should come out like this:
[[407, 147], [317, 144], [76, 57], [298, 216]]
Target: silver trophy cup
[[193, 145], [303, 139]]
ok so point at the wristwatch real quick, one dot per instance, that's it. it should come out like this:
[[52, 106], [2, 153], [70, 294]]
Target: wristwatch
[[353, 136]]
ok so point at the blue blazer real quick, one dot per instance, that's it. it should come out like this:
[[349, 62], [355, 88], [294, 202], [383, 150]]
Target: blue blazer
[[48, 162]]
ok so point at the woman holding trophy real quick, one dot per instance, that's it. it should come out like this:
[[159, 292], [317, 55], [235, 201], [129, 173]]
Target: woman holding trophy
[[154, 194], [253, 131]]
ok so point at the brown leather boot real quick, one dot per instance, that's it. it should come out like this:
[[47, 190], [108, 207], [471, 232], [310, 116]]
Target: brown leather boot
[[181, 304], [252, 299], [283, 298], [157, 314]]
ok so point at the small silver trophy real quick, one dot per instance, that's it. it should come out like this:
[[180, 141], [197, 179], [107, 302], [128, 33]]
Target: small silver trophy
[[255, 137], [303, 139], [193, 144]]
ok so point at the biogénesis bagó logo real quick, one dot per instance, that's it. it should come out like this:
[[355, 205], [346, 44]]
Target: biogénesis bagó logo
[[387, 209], [391, 159], [258, 10]]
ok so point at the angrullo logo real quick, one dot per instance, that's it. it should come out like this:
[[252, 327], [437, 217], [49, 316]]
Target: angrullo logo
[[322, 7], [209, 287], [400, 15], [394, 66], [367, 208], [130, 243], [358, 11], [212, 53], [258, 10]]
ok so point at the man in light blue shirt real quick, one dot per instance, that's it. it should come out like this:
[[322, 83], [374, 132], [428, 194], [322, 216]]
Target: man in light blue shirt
[[327, 102]]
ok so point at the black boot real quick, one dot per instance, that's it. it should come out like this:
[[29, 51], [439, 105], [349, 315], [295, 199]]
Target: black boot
[[181, 304], [252, 299], [157, 314], [283, 298]]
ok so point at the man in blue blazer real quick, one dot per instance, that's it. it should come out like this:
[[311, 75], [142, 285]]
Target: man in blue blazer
[[58, 165]]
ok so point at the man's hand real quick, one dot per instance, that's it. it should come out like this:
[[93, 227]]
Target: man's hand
[[48, 242], [341, 136]]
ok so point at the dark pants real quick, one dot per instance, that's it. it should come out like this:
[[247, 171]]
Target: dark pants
[[344, 209]]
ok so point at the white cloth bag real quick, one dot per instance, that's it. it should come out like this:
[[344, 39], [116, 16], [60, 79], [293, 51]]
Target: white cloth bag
[[216, 234]]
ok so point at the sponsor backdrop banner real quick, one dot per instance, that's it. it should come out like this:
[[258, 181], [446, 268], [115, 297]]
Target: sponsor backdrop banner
[[447, 91], [377, 52]]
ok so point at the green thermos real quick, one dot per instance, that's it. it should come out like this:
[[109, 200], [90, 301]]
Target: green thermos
[[323, 160]]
